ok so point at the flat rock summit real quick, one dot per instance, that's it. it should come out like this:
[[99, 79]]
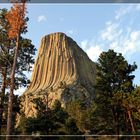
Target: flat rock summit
[[62, 71]]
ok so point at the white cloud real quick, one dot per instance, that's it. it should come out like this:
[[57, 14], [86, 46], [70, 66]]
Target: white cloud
[[123, 39], [120, 34], [132, 44], [126, 10], [127, 45], [135, 35], [93, 52], [110, 31], [84, 44], [41, 18], [123, 11]]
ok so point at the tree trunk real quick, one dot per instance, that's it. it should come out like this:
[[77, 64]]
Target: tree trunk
[[117, 125], [131, 122], [4, 74], [12, 78], [116, 122], [126, 122]]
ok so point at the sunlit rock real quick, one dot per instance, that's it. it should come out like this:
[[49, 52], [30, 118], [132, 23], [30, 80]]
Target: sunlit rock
[[62, 71]]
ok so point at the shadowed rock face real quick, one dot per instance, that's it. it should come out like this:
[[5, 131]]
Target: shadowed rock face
[[62, 71]]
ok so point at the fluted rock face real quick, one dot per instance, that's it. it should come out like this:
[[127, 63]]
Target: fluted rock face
[[62, 71]]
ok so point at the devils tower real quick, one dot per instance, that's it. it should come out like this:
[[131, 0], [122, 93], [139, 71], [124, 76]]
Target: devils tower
[[61, 71]]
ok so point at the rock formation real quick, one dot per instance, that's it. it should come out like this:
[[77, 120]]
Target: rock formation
[[62, 71]]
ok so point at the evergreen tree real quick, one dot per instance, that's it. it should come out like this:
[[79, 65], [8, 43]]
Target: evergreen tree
[[5, 57], [82, 114], [131, 103], [113, 76], [17, 23], [24, 60], [54, 121]]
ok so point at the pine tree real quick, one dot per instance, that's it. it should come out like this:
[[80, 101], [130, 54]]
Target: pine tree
[[131, 103], [114, 77], [17, 23], [5, 59], [24, 61]]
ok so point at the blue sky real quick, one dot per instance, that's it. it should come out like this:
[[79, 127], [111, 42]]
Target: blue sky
[[95, 27]]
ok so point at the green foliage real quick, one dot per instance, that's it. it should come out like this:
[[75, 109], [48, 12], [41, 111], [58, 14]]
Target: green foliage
[[114, 84], [25, 59], [59, 115], [24, 62], [81, 114], [131, 102], [71, 126], [54, 121], [114, 73], [16, 110]]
